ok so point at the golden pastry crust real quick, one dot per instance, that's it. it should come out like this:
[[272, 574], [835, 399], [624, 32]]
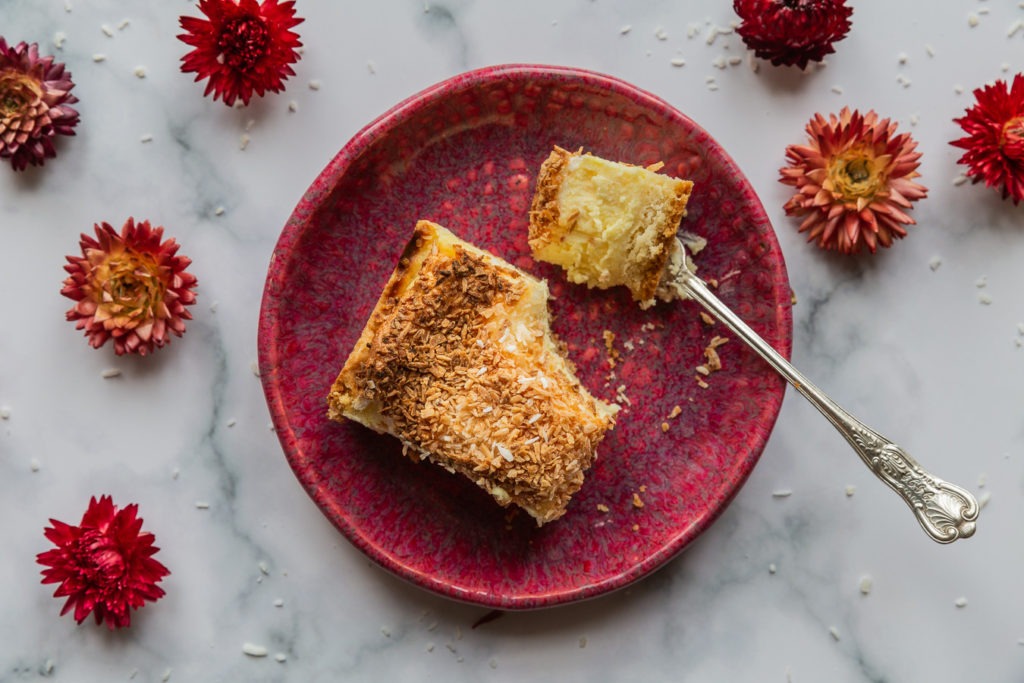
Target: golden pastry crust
[[649, 240], [458, 362], [546, 225]]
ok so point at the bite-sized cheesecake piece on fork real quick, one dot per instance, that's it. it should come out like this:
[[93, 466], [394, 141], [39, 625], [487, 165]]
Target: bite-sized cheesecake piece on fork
[[609, 223], [458, 361]]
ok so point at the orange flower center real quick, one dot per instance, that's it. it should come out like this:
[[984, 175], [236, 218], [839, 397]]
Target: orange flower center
[[128, 287], [856, 174], [1012, 140], [18, 92]]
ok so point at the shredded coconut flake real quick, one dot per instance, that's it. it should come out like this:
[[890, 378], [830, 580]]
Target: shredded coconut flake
[[254, 650]]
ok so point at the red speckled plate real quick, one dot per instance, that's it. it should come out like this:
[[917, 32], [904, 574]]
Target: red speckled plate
[[465, 153]]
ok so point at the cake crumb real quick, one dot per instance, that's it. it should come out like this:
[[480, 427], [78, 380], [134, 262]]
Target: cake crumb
[[772, 568], [676, 412], [147, 137], [625, 29], [107, 31], [984, 499], [972, 20], [99, 57], [202, 505], [58, 39], [707, 318], [314, 84], [782, 493], [140, 72], [637, 501], [677, 61], [850, 490], [834, 632], [254, 650], [281, 657], [601, 507], [664, 427], [110, 373], [866, 584], [609, 345], [961, 602]]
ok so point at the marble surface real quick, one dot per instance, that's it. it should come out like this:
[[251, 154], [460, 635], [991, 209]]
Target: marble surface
[[923, 341]]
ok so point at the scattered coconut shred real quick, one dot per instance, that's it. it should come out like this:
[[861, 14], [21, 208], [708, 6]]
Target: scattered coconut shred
[[712, 361]]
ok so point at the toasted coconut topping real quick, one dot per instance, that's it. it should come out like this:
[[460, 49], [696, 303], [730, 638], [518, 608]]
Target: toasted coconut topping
[[458, 362]]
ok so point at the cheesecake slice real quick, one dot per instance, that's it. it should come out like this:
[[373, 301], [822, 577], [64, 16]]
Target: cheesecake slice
[[609, 223], [458, 362]]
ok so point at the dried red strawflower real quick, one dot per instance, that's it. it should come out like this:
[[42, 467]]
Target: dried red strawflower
[[130, 287], [995, 137], [104, 565], [244, 47], [792, 32], [35, 99], [853, 180]]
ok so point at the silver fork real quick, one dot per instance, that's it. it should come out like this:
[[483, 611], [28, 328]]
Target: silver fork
[[946, 511]]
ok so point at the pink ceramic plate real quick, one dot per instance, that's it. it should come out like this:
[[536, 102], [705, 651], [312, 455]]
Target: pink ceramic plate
[[465, 153]]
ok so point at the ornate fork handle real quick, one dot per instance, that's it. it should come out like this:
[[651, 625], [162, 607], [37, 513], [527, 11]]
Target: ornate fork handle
[[946, 511]]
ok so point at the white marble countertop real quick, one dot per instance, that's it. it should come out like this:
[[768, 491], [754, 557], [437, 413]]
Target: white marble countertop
[[922, 341]]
